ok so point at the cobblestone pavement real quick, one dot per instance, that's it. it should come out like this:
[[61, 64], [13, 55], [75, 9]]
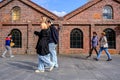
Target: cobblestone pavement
[[71, 67]]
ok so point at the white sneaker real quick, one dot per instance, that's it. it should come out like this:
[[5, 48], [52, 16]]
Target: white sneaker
[[12, 56], [38, 71], [3, 56], [51, 68]]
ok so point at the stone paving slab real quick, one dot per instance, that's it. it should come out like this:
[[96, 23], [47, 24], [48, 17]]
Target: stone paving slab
[[71, 67]]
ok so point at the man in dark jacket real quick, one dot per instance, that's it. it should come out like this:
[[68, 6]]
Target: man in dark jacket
[[53, 41]]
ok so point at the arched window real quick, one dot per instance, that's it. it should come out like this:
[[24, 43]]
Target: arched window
[[76, 38], [111, 38], [16, 13], [17, 38], [107, 12]]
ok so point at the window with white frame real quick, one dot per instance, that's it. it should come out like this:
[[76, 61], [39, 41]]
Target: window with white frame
[[107, 12]]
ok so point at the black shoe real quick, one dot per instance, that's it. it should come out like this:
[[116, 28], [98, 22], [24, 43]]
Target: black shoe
[[96, 59], [109, 60]]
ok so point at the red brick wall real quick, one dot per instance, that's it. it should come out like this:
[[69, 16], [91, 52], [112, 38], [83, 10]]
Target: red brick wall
[[65, 40], [27, 13], [32, 39], [85, 21], [99, 29], [6, 30], [87, 16], [28, 17]]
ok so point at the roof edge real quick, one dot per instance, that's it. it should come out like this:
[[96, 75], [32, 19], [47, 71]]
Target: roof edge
[[84, 7], [35, 6]]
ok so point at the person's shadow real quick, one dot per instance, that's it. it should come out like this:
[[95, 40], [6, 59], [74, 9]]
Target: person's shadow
[[24, 65], [82, 57]]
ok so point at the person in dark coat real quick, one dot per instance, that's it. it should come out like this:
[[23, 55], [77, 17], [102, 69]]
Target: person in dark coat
[[53, 41], [42, 47], [94, 44]]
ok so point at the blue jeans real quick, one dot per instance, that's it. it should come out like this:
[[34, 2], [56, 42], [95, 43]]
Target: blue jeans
[[7, 48], [106, 51], [53, 53], [43, 60]]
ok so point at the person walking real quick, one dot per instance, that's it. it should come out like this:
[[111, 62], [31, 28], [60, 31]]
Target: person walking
[[94, 44], [8, 40], [42, 47], [53, 41], [103, 46]]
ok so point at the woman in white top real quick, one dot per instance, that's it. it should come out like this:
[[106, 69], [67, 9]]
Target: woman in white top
[[103, 46]]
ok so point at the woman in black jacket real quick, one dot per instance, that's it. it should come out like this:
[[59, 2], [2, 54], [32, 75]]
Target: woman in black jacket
[[42, 47]]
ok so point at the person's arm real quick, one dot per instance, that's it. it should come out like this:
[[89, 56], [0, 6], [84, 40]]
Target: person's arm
[[59, 28], [94, 39], [37, 33]]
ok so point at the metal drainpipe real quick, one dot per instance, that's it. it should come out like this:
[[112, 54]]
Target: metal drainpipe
[[90, 37], [27, 39]]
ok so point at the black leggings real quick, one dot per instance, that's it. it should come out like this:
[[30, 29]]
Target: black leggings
[[93, 48]]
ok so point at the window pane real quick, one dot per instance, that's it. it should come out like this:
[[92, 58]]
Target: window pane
[[16, 35], [16, 13], [76, 38], [107, 12]]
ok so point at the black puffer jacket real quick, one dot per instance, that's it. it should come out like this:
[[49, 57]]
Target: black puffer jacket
[[42, 44]]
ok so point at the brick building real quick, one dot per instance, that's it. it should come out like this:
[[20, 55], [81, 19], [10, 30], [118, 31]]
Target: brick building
[[22, 18]]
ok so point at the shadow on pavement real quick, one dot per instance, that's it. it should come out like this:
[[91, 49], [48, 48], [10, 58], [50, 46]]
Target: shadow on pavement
[[81, 57], [24, 65]]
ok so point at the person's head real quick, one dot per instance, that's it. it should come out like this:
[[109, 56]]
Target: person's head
[[49, 22], [44, 19], [103, 33], [94, 34], [44, 24]]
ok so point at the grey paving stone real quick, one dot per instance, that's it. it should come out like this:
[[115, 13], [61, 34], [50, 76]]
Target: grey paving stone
[[71, 67]]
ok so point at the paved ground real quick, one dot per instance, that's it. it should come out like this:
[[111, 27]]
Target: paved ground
[[72, 67]]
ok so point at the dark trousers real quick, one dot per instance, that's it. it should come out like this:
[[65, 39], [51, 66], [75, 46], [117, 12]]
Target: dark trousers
[[93, 48]]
